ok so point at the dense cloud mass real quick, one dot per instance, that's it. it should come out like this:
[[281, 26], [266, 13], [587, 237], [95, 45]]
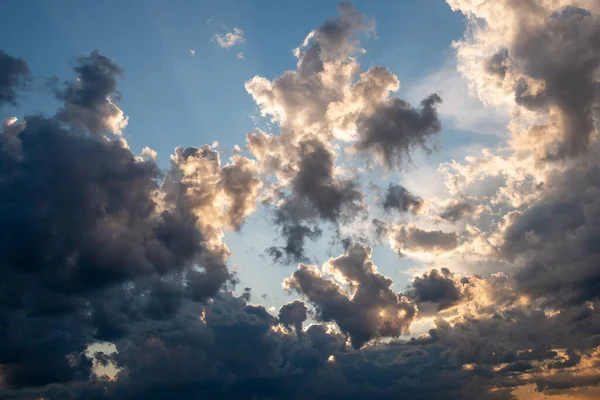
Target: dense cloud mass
[[114, 273]]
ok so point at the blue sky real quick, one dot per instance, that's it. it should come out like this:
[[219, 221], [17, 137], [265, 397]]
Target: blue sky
[[197, 99], [174, 98]]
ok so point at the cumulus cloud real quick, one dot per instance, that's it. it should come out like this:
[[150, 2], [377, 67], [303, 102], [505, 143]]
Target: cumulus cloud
[[293, 314], [436, 287], [229, 39], [90, 221], [395, 129], [369, 309]]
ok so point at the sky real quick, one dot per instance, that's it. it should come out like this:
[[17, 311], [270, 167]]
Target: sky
[[304, 200]]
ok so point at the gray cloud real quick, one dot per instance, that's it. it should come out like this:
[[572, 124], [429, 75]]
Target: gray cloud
[[459, 209], [398, 198], [316, 194], [293, 314], [85, 224], [412, 238], [333, 39], [88, 101], [395, 129], [438, 287], [370, 310], [14, 73]]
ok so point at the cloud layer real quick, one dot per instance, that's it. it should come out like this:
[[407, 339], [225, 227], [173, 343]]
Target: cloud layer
[[103, 249]]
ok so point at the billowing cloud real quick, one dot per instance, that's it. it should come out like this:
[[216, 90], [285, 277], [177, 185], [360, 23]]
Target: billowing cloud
[[13, 75], [88, 216], [368, 310], [293, 314], [437, 287]]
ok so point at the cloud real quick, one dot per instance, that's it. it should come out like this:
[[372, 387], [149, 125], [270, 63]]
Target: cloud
[[106, 249], [413, 239], [315, 194], [240, 55], [192, 52], [229, 39], [14, 73], [520, 58], [89, 220], [369, 310], [398, 198], [395, 129], [89, 100], [437, 287], [293, 314], [458, 209]]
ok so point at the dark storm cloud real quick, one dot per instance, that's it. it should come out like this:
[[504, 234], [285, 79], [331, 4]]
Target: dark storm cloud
[[398, 198], [438, 287], [395, 128], [13, 75], [316, 194], [373, 311]]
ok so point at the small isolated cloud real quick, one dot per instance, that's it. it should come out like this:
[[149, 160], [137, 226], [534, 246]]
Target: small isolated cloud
[[210, 20], [192, 51], [240, 55], [229, 39]]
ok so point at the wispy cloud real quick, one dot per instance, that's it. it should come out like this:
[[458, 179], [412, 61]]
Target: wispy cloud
[[240, 55], [192, 51]]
